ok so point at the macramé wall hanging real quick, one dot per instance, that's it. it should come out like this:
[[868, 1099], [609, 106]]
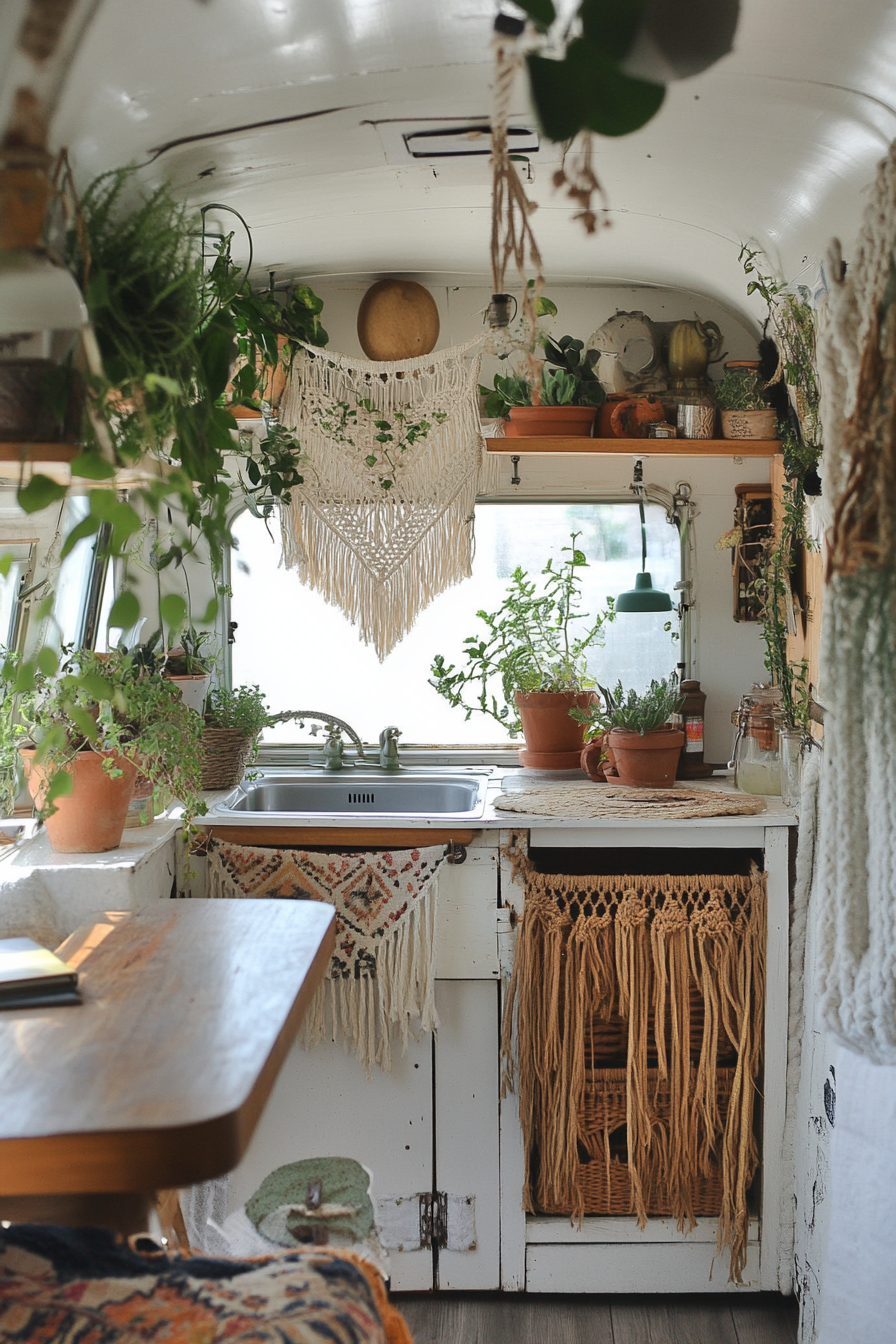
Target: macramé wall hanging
[[857, 817], [393, 455], [637, 1007], [382, 973]]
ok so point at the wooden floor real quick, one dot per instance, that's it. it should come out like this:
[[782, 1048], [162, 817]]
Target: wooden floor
[[496, 1318]]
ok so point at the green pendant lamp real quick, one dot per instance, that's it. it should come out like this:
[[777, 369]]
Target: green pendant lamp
[[643, 597]]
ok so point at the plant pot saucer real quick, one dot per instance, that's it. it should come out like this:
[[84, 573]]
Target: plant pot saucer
[[550, 760], [637, 784]]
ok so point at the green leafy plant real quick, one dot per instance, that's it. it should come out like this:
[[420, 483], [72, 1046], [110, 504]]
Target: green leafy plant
[[642, 713], [112, 703], [351, 424], [194, 656], [16, 716], [568, 354], [565, 379], [244, 708], [533, 642], [740, 390]]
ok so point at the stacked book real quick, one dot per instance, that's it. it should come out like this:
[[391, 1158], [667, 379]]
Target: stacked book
[[32, 976]]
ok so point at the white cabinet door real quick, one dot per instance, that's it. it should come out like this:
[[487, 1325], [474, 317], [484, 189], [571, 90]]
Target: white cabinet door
[[323, 1106], [467, 1133]]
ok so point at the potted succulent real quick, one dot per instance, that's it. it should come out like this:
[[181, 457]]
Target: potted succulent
[[634, 728], [99, 720], [537, 645], [233, 721], [565, 403], [745, 413]]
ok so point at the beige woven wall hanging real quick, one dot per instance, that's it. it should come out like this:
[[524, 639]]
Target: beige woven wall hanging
[[394, 459]]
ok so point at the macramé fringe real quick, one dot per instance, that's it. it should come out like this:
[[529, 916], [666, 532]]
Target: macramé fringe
[[637, 947], [362, 1010]]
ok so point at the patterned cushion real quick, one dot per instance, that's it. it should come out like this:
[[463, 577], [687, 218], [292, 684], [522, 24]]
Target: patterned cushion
[[81, 1286]]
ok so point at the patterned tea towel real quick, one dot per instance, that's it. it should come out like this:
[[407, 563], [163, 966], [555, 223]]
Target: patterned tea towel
[[382, 971]]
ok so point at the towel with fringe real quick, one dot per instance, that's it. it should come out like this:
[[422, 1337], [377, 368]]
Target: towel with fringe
[[393, 458], [382, 973], [674, 967]]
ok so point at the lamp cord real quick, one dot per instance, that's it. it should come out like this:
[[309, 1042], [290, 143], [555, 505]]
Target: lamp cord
[[643, 536]]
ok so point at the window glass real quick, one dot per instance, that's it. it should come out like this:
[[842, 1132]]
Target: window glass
[[305, 655], [21, 555], [73, 578]]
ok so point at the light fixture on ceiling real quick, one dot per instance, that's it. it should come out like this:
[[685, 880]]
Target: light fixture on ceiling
[[643, 597]]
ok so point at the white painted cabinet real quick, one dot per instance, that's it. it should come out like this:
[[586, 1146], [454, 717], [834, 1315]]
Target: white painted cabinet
[[610, 1255]]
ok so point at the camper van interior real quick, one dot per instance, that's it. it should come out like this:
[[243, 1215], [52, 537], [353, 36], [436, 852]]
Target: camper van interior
[[447, 671]]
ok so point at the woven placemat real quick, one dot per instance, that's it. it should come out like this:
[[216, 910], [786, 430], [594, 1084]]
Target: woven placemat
[[575, 802]]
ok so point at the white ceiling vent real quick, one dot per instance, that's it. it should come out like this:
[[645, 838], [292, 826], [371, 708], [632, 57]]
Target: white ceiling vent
[[431, 140]]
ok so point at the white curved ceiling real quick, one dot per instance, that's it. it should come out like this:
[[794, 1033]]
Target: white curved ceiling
[[271, 106]]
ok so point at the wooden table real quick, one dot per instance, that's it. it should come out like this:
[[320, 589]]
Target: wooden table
[[158, 1079]]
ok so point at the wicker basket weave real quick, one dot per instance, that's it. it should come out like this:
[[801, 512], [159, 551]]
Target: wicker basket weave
[[225, 752], [606, 1038], [606, 1184]]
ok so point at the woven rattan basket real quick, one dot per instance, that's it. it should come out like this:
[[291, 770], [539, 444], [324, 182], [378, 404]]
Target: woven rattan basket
[[603, 1174], [225, 752], [606, 1038]]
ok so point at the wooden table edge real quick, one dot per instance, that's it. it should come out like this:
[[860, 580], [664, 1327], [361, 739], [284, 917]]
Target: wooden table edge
[[141, 1160]]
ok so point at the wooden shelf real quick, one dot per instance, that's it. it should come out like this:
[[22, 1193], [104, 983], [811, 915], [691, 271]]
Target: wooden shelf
[[630, 447], [39, 452]]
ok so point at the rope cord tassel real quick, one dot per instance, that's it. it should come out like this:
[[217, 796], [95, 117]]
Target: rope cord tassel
[[636, 1006]]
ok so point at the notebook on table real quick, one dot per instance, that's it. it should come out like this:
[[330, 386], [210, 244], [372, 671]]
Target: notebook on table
[[32, 976]]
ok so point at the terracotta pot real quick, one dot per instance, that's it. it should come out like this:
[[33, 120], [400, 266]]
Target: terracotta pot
[[593, 760], [550, 422], [647, 760], [90, 820], [554, 741], [749, 424]]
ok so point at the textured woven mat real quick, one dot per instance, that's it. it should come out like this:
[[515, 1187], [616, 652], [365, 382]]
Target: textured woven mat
[[577, 802]]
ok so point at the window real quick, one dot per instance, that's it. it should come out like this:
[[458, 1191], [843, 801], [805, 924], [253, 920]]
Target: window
[[16, 582], [305, 655]]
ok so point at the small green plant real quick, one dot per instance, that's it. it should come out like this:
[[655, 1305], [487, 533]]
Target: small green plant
[[533, 642], [16, 715], [627, 709], [567, 379], [741, 390], [243, 708], [194, 656]]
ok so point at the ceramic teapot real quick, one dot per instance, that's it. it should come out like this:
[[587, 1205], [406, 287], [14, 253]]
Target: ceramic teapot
[[692, 347]]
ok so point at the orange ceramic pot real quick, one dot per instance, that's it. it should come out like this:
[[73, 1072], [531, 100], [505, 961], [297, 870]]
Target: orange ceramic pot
[[593, 760], [554, 741], [90, 820], [628, 417], [550, 422], [647, 760]]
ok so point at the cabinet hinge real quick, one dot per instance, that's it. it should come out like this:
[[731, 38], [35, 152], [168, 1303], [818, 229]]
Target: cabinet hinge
[[434, 1219]]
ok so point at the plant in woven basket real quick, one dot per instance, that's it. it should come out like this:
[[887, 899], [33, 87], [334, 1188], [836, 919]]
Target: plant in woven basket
[[233, 722], [535, 642]]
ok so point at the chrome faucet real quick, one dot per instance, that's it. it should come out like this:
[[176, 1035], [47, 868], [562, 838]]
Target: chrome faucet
[[333, 749], [389, 749]]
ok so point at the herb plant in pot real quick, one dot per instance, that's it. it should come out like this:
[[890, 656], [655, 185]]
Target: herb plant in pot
[[645, 748], [101, 719], [744, 411], [536, 646], [233, 721]]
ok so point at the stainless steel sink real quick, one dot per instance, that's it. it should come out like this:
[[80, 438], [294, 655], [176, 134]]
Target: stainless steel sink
[[357, 793]]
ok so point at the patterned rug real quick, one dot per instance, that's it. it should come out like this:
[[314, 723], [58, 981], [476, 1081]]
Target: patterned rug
[[382, 972], [80, 1286], [575, 802]]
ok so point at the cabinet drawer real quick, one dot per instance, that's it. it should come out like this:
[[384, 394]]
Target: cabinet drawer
[[467, 915]]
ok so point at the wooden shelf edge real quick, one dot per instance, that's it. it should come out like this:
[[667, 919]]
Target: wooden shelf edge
[[646, 447], [39, 452]]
